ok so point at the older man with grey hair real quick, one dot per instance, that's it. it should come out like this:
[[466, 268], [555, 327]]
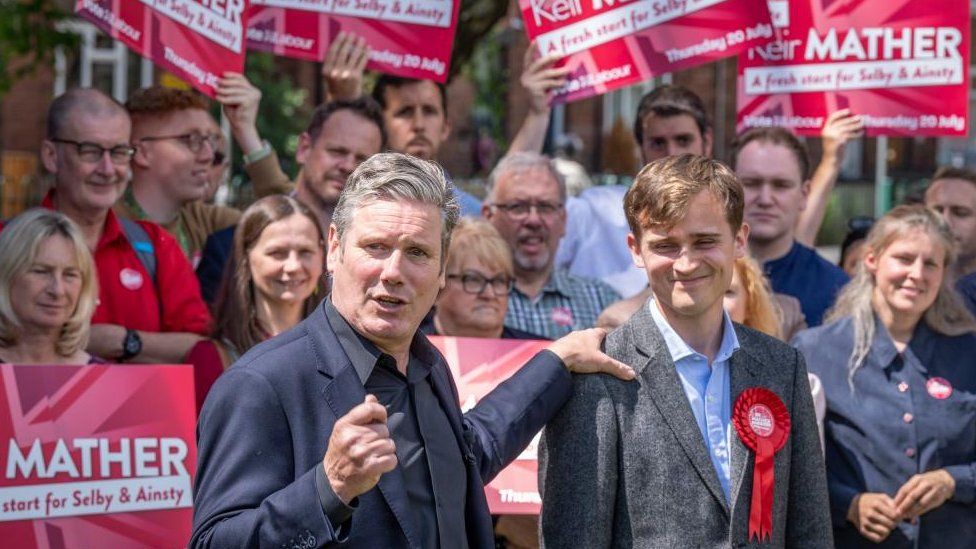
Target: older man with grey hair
[[526, 203], [347, 428]]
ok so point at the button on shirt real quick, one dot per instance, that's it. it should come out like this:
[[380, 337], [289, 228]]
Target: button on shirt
[[898, 421], [427, 449], [707, 388], [566, 303]]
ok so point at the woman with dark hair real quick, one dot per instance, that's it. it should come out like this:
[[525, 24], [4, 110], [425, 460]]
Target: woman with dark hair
[[897, 357], [272, 281], [47, 291]]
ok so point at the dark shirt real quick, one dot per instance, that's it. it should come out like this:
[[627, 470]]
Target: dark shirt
[[966, 286], [213, 261], [803, 274], [893, 426], [421, 432]]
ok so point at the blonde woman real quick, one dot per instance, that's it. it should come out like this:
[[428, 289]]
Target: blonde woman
[[478, 277], [898, 360], [47, 291]]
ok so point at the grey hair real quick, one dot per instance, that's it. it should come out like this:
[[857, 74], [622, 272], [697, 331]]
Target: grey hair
[[521, 162], [395, 176], [947, 315]]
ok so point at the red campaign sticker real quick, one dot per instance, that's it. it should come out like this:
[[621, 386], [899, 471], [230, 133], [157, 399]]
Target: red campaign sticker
[[939, 388], [131, 279], [562, 316]]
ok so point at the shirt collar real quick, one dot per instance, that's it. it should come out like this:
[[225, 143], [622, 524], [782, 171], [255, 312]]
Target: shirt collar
[[364, 354], [559, 283], [680, 350]]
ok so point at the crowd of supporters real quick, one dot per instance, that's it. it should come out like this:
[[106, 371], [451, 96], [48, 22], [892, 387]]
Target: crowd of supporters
[[127, 260]]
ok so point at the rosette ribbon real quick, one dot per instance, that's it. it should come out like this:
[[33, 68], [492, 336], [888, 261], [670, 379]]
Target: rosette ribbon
[[763, 424]]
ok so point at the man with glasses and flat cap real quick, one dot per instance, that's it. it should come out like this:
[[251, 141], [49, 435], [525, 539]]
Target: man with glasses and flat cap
[[146, 310]]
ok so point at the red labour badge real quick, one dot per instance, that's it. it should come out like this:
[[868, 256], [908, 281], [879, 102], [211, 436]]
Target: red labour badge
[[763, 424]]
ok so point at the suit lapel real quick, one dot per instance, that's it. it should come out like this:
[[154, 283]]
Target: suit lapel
[[743, 370], [659, 375], [343, 391]]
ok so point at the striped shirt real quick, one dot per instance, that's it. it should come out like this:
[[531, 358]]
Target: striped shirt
[[566, 303]]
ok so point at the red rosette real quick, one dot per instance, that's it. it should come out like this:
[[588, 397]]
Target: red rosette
[[763, 424]]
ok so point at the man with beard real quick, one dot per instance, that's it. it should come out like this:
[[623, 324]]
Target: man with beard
[[526, 198], [952, 194], [146, 310], [340, 136]]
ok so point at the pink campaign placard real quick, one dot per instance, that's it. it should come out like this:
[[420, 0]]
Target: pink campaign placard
[[197, 40], [410, 38], [96, 456], [902, 65], [610, 44], [478, 366]]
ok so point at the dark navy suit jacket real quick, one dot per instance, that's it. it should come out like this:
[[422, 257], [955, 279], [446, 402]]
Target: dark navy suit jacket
[[266, 424]]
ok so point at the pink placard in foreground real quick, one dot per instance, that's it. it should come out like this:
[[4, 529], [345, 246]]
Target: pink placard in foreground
[[478, 366], [96, 456]]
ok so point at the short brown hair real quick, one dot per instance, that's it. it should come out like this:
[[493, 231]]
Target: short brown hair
[[158, 100], [951, 172], [664, 189], [666, 101], [775, 136]]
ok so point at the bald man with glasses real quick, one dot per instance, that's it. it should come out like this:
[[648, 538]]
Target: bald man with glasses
[[146, 311]]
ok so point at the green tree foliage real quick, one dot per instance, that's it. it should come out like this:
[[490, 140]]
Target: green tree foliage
[[29, 36]]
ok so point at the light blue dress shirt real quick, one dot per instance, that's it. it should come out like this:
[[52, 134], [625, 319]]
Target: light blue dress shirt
[[707, 389]]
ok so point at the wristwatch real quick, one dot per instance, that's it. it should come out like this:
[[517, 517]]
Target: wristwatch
[[131, 345]]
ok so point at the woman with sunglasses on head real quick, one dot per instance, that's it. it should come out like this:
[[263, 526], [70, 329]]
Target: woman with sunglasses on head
[[48, 291], [897, 357], [273, 280], [479, 275]]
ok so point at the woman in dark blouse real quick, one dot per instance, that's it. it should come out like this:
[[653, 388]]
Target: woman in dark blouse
[[47, 291], [897, 358]]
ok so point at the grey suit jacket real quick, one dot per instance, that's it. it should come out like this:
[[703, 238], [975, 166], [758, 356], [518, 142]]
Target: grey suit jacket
[[624, 464]]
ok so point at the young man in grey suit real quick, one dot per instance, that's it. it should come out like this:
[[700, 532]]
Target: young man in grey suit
[[659, 461]]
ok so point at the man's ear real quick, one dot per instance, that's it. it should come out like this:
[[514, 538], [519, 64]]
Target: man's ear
[[805, 193], [49, 156], [142, 156], [446, 130], [741, 238], [633, 243], [334, 254], [304, 148]]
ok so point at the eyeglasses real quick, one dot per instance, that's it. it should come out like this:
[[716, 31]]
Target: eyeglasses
[[93, 152], [520, 210], [193, 141], [474, 283]]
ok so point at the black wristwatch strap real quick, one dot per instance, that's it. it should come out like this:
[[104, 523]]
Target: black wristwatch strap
[[131, 345]]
